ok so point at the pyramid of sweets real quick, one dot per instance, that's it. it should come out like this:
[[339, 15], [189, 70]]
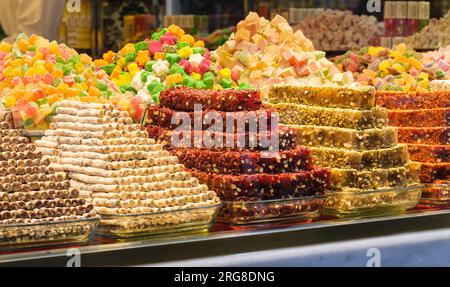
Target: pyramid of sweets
[[135, 185], [422, 120], [260, 174], [371, 172], [37, 73], [264, 53], [37, 204]]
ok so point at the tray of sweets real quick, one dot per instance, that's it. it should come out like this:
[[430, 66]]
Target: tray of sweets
[[43, 234], [158, 223]]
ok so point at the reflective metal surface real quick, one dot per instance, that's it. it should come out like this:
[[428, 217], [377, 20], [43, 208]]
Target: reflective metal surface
[[105, 245]]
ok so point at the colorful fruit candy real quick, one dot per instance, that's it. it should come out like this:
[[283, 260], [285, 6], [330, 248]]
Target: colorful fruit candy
[[169, 58], [265, 53], [35, 74], [400, 69]]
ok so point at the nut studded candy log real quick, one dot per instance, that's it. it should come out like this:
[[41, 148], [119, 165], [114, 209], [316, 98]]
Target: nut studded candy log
[[337, 97], [184, 99], [346, 138], [429, 153], [163, 117], [420, 118], [228, 141], [431, 136], [341, 158], [243, 162], [265, 186], [431, 172], [295, 114], [413, 101]]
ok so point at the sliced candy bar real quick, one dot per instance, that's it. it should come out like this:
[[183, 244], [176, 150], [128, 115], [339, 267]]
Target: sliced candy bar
[[412, 101], [431, 136], [229, 141], [341, 158], [429, 153], [334, 97], [295, 114], [184, 99], [420, 118], [266, 186], [245, 162], [346, 138]]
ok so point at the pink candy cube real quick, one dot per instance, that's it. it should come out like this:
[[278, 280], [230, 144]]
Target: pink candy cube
[[204, 66], [48, 79], [69, 80], [169, 39], [154, 47], [187, 66]]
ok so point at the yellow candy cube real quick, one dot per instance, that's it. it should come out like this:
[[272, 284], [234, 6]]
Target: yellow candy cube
[[424, 75], [225, 73], [85, 59], [122, 62], [116, 72], [32, 39], [143, 57], [22, 45], [123, 79], [100, 63], [54, 48], [374, 50], [177, 31], [196, 76], [398, 67], [199, 43], [79, 68], [185, 52], [129, 48], [133, 68], [384, 66], [5, 47], [10, 101], [109, 56], [187, 38], [160, 56], [174, 79]]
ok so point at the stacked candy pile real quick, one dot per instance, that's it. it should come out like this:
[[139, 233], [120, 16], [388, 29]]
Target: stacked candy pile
[[264, 53], [35, 74], [336, 30], [235, 161], [438, 59], [170, 58], [436, 34], [400, 69], [135, 185]]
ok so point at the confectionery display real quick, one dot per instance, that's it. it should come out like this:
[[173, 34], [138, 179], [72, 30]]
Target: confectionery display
[[433, 36], [423, 125], [169, 58], [135, 185], [438, 58], [370, 172], [279, 185], [264, 53], [400, 69], [36, 73], [38, 206], [336, 30], [166, 135]]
